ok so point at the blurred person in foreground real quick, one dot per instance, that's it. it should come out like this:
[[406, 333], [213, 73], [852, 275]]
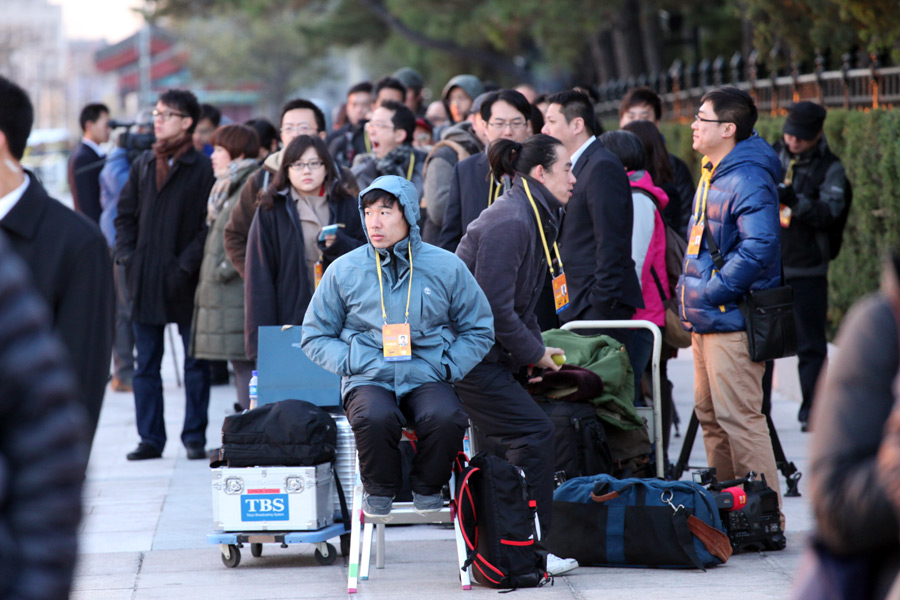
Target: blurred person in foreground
[[44, 444], [65, 252]]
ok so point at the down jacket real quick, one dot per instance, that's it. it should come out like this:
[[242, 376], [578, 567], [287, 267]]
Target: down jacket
[[450, 319], [655, 259], [742, 213]]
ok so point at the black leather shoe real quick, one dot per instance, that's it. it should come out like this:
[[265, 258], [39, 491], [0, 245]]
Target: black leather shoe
[[195, 452], [143, 452]]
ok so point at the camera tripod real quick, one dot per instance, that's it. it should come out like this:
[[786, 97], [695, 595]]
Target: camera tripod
[[787, 468]]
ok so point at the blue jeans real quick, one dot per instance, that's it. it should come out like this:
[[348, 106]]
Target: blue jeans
[[149, 340], [640, 350]]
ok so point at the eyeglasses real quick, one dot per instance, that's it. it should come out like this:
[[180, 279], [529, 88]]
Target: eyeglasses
[[515, 124], [166, 114], [311, 165], [381, 125], [699, 119], [302, 129]]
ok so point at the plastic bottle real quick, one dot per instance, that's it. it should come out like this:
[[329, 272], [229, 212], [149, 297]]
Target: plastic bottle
[[253, 385]]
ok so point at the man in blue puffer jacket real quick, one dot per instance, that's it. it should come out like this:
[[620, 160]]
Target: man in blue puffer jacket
[[400, 321], [738, 202]]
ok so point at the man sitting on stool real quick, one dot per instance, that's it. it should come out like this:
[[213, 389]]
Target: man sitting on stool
[[398, 288]]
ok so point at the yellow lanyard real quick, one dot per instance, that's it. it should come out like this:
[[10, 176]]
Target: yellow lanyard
[[381, 285], [494, 190], [789, 174], [702, 193], [367, 141], [412, 162], [537, 216]]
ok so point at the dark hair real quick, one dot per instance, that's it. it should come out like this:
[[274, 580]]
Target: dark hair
[[362, 86], [208, 111], [16, 116], [300, 103], [389, 83], [575, 104], [733, 105], [507, 157], [642, 95], [237, 139], [627, 147], [536, 118], [292, 154], [541, 98], [91, 113], [373, 196], [655, 153], [403, 119], [265, 130], [184, 102], [511, 97]]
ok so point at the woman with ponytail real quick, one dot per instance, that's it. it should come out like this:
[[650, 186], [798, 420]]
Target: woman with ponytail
[[510, 248]]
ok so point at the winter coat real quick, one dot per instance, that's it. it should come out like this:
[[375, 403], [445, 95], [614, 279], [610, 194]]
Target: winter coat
[[160, 236], [112, 179], [450, 318], [470, 193], [346, 143], [742, 215], [217, 330], [805, 244], [71, 269], [84, 181], [439, 172], [43, 442], [654, 262], [595, 240], [277, 286], [503, 249]]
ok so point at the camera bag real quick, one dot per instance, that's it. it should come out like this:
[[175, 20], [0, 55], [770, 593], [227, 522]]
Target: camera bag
[[603, 521], [578, 437], [498, 519]]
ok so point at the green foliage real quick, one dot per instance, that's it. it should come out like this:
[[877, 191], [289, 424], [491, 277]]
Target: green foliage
[[866, 142]]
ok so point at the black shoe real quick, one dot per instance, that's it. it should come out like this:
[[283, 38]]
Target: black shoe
[[804, 426], [143, 452], [196, 452]]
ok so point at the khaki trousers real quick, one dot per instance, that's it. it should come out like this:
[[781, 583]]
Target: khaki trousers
[[728, 403]]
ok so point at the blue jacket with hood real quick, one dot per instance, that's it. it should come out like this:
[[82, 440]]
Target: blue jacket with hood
[[742, 213], [450, 319]]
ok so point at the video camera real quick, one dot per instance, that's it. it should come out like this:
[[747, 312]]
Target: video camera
[[134, 143], [749, 510]]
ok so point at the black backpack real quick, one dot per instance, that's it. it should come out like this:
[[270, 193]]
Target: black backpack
[[497, 516], [579, 439], [287, 433]]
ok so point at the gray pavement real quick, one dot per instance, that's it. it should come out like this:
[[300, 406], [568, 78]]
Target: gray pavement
[[145, 526]]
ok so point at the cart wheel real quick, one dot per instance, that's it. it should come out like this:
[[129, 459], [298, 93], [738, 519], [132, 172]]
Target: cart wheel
[[345, 544], [234, 557], [330, 558], [256, 550]]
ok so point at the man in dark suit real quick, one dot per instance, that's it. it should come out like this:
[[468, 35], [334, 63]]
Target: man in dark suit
[[595, 239], [66, 254], [87, 161], [160, 234], [506, 114]]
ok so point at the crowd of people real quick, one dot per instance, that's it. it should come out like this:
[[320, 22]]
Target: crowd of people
[[490, 215]]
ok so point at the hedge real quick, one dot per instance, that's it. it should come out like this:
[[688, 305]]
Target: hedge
[[868, 143]]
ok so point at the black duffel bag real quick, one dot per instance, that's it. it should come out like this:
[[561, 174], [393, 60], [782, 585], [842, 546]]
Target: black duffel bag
[[287, 433]]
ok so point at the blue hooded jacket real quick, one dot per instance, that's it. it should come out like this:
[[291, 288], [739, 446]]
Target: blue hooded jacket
[[742, 213], [450, 319]]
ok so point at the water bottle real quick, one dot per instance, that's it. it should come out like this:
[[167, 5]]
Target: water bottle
[[254, 380]]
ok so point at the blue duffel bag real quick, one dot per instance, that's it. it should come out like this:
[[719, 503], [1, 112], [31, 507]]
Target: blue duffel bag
[[603, 521]]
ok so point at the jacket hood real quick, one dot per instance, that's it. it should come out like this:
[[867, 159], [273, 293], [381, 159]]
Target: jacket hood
[[643, 180], [273, 161], [462, 134], [470, 84], [409, 200], [754, 150]]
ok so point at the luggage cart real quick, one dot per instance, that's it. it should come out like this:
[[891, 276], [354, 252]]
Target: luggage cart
[[230, 543], [654, 422]]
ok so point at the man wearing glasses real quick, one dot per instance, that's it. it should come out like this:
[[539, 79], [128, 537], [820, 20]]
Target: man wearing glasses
[[472, 188], [160, 233], [298, 117], [736, 205], [391, 134]]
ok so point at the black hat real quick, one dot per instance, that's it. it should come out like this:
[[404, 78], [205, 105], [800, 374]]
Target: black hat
[[804, 120]]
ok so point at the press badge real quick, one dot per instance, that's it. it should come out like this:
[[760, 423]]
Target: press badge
[[693, 248], [396, 342], [560, 293], [319, 271]]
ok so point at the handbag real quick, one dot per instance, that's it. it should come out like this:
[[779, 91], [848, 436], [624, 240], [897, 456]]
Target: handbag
[[768, 314]]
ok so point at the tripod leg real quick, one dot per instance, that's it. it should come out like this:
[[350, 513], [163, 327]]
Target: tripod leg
[[788, 469], [686, 448]]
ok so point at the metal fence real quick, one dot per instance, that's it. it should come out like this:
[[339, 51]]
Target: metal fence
[[681, 88]]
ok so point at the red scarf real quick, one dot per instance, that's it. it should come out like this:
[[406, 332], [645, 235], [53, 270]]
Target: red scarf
[[167, 150]]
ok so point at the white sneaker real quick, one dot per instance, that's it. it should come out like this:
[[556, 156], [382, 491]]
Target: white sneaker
[[558, 566]]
